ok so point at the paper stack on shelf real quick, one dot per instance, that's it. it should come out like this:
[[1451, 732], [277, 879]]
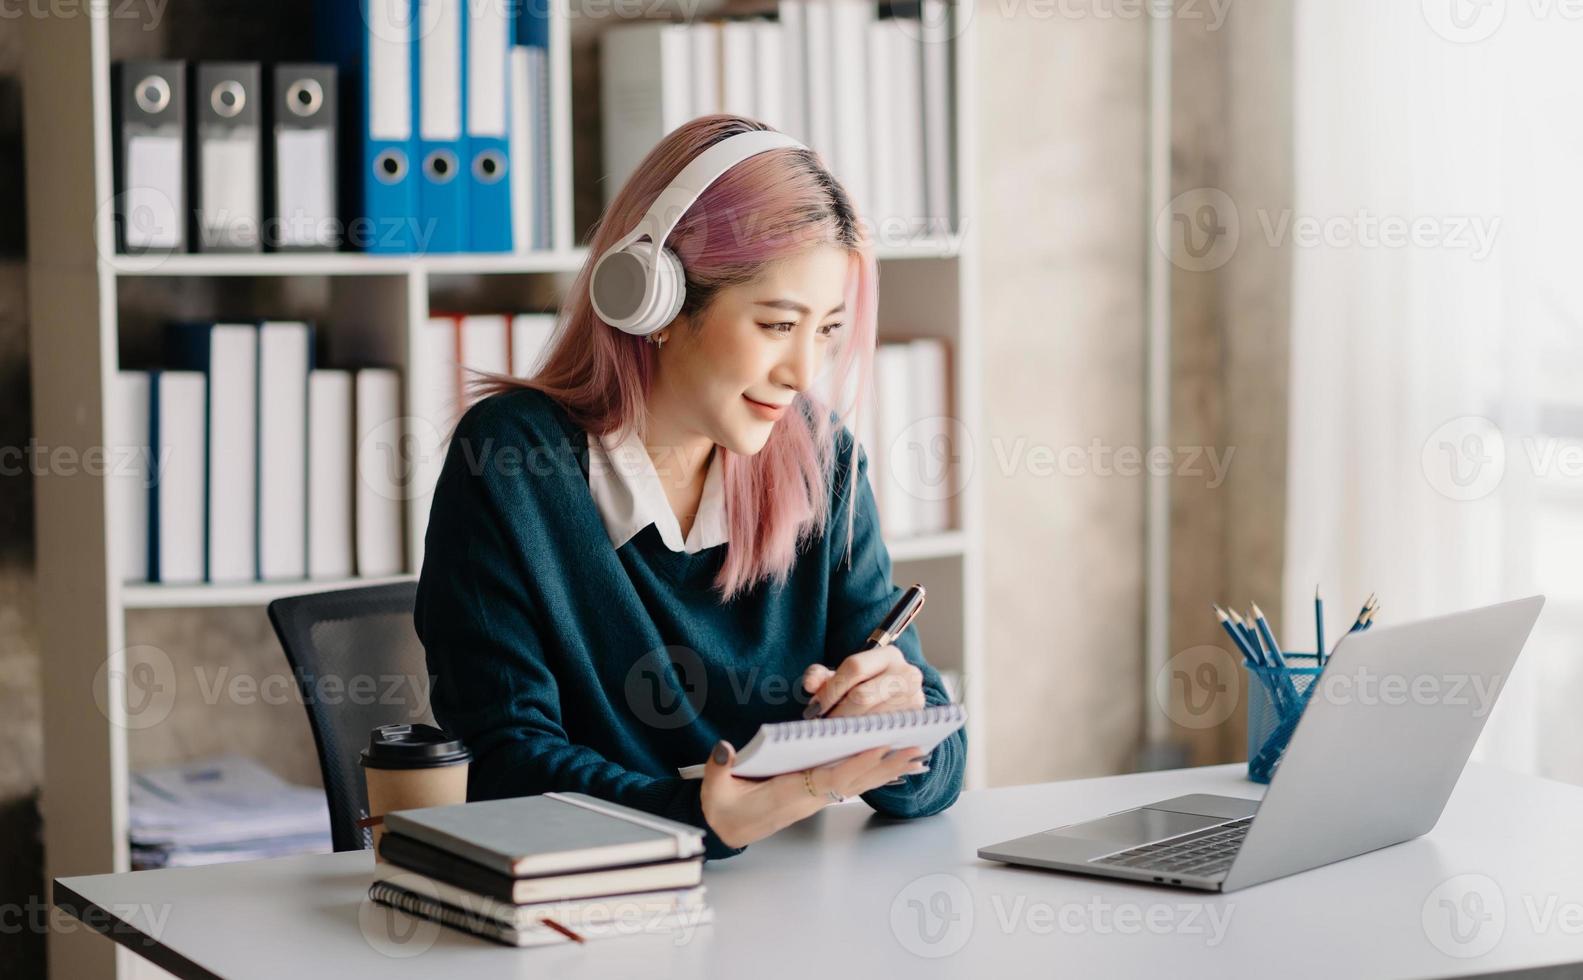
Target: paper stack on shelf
[[224, 808]]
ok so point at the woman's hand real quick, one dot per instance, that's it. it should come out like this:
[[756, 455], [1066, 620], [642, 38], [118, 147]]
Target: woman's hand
[[741, 811], [874, 680]]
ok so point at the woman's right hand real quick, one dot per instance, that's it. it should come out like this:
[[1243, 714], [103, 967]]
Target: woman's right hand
[[741, 811]]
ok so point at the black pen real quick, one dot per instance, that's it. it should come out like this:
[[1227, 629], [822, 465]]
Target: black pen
[[901, 616], [894, 624]]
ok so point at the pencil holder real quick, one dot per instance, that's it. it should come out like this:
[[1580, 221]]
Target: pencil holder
[[1276, 699]]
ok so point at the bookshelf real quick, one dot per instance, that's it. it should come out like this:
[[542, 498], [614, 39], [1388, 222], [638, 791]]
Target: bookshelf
[[89, 307]]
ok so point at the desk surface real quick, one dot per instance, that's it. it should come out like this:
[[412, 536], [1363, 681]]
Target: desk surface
[[1497, 885]]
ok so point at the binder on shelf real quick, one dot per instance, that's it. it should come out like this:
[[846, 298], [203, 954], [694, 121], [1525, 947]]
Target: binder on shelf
[[330, 467], [285, 356], [793, 60], [484, 347], [524, 149], [769, 73], [131, 473], [176, 499], [381, 471], [705, 41], [436, 387], [227, 157], [892, 404], [302, 158], [150, 110], [848, 52], [939, 165], [927, 471], [645, 92], [531, 334], [438, 56], [818, 72], [227, 354], [488, 97], [738, 86], [370, 42], [907, 195]]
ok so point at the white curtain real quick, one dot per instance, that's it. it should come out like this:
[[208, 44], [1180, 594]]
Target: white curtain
[[1436, 418]]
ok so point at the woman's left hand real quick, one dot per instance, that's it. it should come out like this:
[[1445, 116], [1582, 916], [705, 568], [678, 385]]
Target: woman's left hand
[[866, 682]]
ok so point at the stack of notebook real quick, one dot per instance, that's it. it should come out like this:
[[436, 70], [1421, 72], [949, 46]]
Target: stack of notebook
[[533, 870]]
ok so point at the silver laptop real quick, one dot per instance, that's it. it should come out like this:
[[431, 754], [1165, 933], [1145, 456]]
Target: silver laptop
[[1371, 763]]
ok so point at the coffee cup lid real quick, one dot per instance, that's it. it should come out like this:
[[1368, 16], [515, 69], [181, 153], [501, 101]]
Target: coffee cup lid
[[413, 747]]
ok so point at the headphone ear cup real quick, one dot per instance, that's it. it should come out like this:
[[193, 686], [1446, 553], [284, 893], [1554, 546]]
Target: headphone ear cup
[[670, 289]]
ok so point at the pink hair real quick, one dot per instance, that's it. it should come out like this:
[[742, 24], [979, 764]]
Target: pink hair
[[766, 208]]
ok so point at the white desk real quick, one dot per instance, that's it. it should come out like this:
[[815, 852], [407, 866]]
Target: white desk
[[849, 895]]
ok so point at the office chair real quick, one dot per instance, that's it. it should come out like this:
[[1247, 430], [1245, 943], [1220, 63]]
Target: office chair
[[358, 664]]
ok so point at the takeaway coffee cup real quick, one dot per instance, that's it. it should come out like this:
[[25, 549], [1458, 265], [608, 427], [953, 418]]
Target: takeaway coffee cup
[[410, 766]]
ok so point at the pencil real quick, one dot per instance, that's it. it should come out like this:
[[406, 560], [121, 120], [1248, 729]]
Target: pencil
[[1319, 628]]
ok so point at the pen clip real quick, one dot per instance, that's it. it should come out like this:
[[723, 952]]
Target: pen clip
[[922, 598]]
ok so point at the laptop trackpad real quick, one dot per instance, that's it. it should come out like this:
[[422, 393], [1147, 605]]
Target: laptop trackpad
[[1138, 826]]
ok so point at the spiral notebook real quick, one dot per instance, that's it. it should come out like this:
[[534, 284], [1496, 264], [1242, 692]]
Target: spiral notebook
[[789, 746]]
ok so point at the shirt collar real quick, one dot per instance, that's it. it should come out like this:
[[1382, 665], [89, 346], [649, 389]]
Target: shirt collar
[[628, 492]]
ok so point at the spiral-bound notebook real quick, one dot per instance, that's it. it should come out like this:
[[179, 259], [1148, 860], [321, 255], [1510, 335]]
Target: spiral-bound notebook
[[789, 746]]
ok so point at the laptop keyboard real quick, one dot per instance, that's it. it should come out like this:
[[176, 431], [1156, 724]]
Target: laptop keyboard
[[1203, 853]]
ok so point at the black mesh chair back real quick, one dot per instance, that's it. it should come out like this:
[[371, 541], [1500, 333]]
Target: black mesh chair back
[[359, 665]]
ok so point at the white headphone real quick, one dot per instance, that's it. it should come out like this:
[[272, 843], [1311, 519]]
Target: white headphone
[[638, 286]]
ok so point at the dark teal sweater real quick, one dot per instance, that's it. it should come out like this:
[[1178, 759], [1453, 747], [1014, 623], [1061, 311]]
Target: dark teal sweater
[[566, 664]]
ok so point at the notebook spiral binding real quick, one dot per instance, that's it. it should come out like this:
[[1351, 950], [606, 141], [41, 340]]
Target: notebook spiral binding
[[850, 725]]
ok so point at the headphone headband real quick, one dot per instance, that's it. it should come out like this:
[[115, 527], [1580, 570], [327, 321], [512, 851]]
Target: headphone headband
[[638, 287]]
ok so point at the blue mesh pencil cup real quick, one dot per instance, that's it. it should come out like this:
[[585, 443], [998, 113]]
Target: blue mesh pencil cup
[[1276, 699]]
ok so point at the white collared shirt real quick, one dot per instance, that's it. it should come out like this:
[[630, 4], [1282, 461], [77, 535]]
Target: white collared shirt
[[628, 492]]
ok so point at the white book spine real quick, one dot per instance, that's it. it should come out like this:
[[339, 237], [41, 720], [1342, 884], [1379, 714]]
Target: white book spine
[[645, 92], [737, 52], [130, 470], [906, 63], [769, 73], [882, 149], [485, 345], [817, 71], [522, 145], [531, 334], [285, 354], [436, 387], [703, 46], [381, 471], [892, 367], [794, 103], [929, 468], [849, 52], [330, 469], [233, 452], [936, 42], [180, 460]]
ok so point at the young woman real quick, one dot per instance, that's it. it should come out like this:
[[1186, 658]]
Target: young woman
[[658, 543]]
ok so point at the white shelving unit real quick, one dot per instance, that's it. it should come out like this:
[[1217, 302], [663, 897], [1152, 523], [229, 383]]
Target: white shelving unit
[[371, 308]]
